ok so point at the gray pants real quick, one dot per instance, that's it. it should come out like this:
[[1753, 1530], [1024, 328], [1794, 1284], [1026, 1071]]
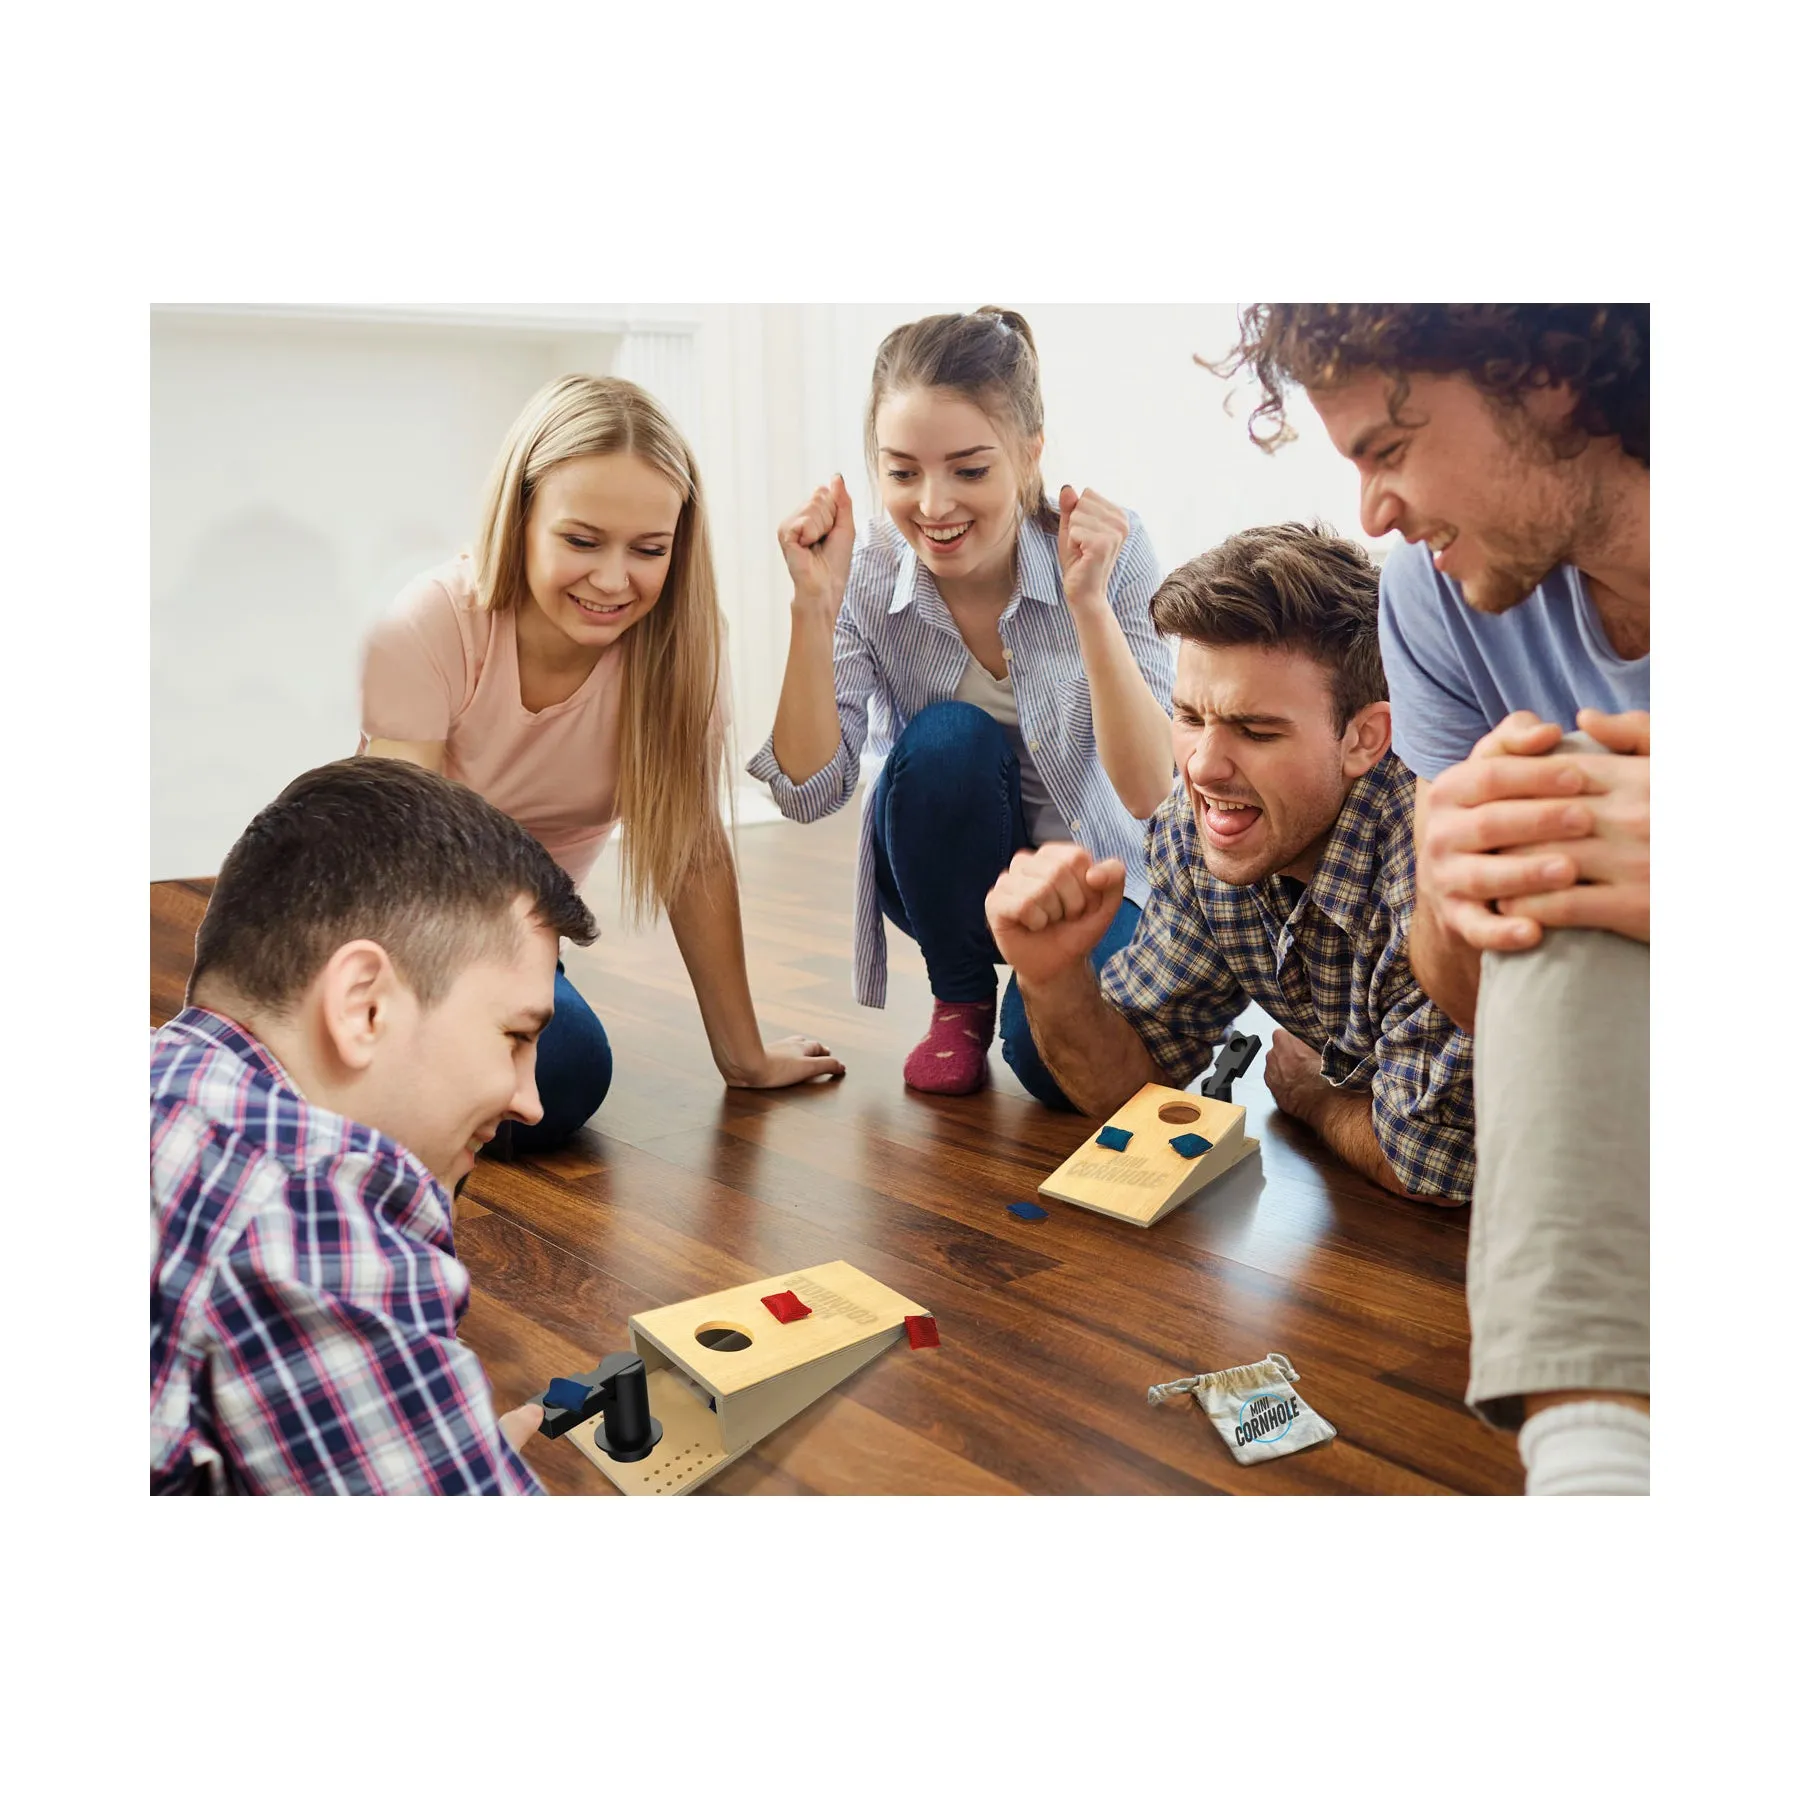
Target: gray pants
[[1559, 1238]]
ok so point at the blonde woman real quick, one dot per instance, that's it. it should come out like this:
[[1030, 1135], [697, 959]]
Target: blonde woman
[[995, 647], [571, 670]]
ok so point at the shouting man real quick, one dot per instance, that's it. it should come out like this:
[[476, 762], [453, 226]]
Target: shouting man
[[1281, 871]]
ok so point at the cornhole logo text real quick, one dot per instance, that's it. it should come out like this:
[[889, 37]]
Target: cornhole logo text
[[1121, 1171], [823, 1300], [1265, 1418]]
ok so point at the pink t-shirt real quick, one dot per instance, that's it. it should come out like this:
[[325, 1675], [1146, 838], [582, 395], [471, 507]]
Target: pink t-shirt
[[440, 670]]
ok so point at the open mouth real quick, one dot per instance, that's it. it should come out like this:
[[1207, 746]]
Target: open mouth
[[1440, 542], [946, 537], [1227, 822], [596, 610]]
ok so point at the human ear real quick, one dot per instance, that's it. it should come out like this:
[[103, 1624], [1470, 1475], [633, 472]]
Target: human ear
[[1551, 404], [1367, 738], [359, 990]]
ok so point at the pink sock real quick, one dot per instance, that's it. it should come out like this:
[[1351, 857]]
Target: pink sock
[[952, 1056]]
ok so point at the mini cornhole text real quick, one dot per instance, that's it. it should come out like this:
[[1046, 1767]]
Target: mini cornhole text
[[1095, 1169]]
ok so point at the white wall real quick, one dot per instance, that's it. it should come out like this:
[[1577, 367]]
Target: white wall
[[300, 473], [1127, 411], [306, 463]]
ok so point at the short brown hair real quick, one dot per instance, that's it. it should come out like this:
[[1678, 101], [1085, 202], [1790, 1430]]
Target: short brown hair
[[990, 358], [1293, 587], [1601, 352], [375, 848]]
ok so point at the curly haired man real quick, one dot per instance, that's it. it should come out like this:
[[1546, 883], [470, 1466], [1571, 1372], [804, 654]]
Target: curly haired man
[[1510, 446]]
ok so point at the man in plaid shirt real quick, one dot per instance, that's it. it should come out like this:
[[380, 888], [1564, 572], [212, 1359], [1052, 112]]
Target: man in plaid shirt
[[369, 984], [1281, 872]]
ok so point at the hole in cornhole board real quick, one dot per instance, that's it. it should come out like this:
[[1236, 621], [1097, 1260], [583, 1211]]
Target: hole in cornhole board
[[719, 1336], [1178, 1112]]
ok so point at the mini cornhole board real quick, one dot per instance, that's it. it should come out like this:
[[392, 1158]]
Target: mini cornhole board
[[714, 1403], [1149, 1177]]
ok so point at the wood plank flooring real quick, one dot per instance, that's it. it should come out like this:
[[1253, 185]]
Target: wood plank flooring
[[1051, 1331]]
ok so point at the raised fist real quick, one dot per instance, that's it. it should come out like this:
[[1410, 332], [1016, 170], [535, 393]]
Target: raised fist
[[816, 544], [1089, 537], [1051, 907]]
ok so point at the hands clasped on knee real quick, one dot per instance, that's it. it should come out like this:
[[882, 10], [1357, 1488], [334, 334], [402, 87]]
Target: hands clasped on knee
[[1516, 838]]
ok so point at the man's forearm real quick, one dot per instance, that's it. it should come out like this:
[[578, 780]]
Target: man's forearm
[[1347, 1123], [1445, 967], [1098, 1061]]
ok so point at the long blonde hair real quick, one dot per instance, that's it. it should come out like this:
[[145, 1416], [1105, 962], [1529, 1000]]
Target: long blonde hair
[[671, 757]]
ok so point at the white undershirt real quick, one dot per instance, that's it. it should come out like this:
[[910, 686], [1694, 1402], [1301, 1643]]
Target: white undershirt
[[997, 700]]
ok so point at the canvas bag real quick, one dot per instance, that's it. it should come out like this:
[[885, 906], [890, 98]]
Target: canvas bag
[[1255, 1408]]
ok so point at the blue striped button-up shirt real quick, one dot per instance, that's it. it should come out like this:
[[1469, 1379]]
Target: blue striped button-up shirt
[[897, 650]]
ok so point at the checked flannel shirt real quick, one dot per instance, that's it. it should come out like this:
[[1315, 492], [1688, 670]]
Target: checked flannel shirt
[[304, 1294], [1327, 961]]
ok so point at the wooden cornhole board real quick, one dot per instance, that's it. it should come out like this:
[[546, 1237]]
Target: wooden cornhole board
[[1147, 1178], [780, 1372]]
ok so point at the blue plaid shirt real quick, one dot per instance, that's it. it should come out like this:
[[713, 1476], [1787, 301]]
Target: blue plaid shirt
[[1327, 960], [897, 651], [304, 1294]]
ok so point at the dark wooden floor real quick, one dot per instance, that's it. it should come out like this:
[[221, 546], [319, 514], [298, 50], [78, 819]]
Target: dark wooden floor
[[1051, 1331]]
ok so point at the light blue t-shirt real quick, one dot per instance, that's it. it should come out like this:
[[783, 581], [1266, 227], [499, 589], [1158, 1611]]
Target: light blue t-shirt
[[1453, 674]]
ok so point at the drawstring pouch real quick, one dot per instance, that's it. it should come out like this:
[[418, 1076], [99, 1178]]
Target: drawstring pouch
[[1255, 1408]]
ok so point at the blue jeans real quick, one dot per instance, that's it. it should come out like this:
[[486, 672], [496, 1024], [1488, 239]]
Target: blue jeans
[[948, 820], [574, 1070]]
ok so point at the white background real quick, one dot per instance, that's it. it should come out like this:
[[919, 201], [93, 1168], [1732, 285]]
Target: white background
[[305, 462], [1060, 1646]]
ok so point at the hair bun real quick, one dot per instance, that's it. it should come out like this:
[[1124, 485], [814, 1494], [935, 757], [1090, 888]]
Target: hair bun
[[1012, 322]]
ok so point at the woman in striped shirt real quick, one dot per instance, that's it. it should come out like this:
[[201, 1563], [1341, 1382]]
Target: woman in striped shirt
[[997, 649]]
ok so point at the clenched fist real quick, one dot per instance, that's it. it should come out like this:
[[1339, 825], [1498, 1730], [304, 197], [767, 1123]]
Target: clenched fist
[[1294, 1072], [816, 544], [1051, 907], [1089, 537]]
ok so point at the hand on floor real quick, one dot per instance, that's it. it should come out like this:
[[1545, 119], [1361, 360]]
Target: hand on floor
[[786, 1063]]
